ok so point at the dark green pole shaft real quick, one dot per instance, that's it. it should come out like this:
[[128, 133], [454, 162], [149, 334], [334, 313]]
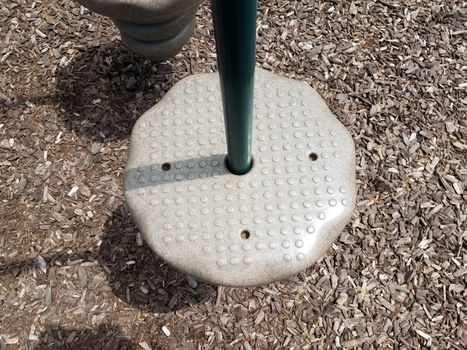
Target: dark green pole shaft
[[235, 32]]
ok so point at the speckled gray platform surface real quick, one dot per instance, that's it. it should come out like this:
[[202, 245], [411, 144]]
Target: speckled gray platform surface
[[240, 230]]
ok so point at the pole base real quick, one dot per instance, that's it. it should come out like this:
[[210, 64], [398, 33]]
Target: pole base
[[261, 227]]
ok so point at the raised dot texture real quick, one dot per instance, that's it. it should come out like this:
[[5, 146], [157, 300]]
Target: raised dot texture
[[194, 213]]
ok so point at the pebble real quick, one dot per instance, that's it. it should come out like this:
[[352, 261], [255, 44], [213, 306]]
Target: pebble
[[451, 127], [145, 345], [342, 299], [192, 282], [166, 330], [96, 147]]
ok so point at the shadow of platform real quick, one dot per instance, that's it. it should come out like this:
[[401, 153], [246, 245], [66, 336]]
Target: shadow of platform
[[135, 274], [105, 337], [138, 277], [103, 90]]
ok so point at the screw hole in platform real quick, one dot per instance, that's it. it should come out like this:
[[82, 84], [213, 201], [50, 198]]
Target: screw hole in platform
[[165, 166], [245, 234], [313, 156]]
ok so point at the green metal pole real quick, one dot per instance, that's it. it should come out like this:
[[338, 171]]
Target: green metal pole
[[235, 32]]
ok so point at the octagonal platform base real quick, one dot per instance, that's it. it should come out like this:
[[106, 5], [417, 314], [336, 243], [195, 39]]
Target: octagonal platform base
[[245, 230]]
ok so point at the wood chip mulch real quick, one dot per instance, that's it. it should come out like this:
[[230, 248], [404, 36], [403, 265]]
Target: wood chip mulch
[[74, 272]]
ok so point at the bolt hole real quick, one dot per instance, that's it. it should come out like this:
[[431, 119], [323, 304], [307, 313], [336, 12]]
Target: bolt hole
[[313, 156], [245, 234], [165, 166]]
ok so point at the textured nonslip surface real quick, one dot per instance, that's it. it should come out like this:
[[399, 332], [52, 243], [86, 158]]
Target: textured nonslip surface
[[240, 230]]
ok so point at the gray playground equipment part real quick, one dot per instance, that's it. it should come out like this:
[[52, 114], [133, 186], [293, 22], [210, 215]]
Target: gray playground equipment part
[[240, 178], [266, 225], [156, 29]]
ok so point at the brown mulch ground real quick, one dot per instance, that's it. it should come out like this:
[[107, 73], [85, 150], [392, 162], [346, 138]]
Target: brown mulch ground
[[74, 273]]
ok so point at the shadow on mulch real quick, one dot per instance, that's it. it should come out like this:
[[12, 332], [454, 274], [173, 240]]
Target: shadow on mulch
[[106, 337], [138, 277], [135, 274], [105, 89]]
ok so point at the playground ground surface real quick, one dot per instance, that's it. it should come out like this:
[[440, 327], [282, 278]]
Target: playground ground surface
[[74, 273]]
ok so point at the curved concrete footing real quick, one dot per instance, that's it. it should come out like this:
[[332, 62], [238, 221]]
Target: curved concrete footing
[[158, 41], [151, 28], [249, 230]]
